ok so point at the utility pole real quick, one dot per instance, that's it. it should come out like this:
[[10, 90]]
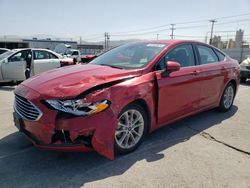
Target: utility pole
[[105, 42], [172, 31], [108, 37], [157, 36], [80, 40], [212, 30]]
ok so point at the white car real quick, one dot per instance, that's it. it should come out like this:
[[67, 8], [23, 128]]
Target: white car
[[13, 63], [75, 54], [3, 50]]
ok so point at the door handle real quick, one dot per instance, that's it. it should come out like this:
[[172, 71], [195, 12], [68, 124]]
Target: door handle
[[195, 72]]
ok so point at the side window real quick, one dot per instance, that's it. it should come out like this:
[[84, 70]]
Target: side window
[[52, 56], [19, 56], [75, 53], [220, 55], [182, 54], [39, 54], [207, 55]]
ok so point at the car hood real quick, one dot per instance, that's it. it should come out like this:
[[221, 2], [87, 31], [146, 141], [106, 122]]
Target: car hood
[[71, 81]]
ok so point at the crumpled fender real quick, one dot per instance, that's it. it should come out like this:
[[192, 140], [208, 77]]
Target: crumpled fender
[[120, 95], [103, 139]]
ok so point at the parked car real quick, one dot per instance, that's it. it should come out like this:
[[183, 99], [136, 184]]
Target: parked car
[[3, 50], [110, 104], [74, 54], [67, 61], [13, 63], [87, 58], [245, 69]]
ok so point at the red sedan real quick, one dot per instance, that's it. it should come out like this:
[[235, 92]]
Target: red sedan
[[110, 104]]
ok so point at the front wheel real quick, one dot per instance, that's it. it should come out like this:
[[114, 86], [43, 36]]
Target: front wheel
[[227, 98], [131, 128]]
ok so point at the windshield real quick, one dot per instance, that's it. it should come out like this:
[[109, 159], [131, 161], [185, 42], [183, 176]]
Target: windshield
[[130, 56], [6, 54]]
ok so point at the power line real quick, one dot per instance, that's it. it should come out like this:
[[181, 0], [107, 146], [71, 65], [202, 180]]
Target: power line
[[180, 23], [153, 30], [141, 33]]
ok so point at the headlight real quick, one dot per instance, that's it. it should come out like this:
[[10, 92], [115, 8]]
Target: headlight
[[78, 107]]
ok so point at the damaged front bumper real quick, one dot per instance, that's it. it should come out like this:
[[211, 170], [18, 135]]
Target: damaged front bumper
[[53, 131]]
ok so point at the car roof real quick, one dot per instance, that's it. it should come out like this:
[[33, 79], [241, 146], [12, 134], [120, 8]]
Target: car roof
[[31, 49], [170, 42], [4, 49]]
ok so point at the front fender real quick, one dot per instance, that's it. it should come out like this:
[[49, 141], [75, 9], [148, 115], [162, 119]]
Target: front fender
[[121, 95]]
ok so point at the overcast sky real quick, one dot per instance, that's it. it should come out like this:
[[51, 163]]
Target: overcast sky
[[91, 18]]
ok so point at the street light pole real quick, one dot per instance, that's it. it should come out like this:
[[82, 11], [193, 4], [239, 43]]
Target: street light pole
[[212, 30], [157, 36]]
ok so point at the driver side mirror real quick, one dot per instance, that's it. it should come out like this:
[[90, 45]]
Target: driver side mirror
[[171, 66]]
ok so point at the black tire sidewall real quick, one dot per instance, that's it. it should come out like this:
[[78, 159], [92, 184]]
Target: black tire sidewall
[[118, 149]]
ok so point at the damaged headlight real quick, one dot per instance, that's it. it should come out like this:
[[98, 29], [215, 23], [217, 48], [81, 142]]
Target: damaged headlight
[[79, 107]]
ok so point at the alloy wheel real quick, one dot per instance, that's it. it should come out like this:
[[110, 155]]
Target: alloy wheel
[[130, 129], [228, 97]]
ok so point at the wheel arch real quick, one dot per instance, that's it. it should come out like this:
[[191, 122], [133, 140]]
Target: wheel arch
[[234, 84], [144, 105]]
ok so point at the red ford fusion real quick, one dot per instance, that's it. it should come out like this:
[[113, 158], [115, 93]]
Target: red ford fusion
[[110, 104]]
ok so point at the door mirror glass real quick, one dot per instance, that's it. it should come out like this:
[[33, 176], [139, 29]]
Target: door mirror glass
[[172, 66]]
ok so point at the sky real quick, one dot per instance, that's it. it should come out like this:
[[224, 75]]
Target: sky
[[90, 19]]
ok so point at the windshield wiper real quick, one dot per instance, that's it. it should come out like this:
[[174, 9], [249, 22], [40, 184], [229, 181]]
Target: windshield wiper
[[113, 66]]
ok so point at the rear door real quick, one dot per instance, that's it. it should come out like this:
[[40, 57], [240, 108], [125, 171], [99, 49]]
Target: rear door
[[14, 68], [178, 93], [44, 60], [212, 72]]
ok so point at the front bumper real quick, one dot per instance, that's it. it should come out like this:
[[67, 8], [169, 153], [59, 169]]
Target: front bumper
[[55, 132]]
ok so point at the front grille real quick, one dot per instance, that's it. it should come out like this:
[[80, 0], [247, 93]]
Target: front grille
[[26, 109]]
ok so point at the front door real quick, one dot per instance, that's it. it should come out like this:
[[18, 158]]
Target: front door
[[14, 68], [178, 93]]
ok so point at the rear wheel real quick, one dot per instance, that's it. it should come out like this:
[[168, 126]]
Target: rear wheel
[[131, 128], [227, 98]]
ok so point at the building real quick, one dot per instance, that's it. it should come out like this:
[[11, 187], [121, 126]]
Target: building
[[239, 38], [217, 42], [87, 49], [48, 43], [12, 43]]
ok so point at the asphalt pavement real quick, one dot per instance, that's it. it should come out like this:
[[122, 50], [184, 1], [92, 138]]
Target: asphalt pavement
[[210, 149]]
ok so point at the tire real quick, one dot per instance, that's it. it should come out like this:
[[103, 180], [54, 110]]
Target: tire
[[243, 80], [227, 98], [129, 134]]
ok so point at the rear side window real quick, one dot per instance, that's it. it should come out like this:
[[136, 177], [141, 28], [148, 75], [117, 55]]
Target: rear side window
[[75, 53], [220, 55], [39, 54], [206, 54]]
